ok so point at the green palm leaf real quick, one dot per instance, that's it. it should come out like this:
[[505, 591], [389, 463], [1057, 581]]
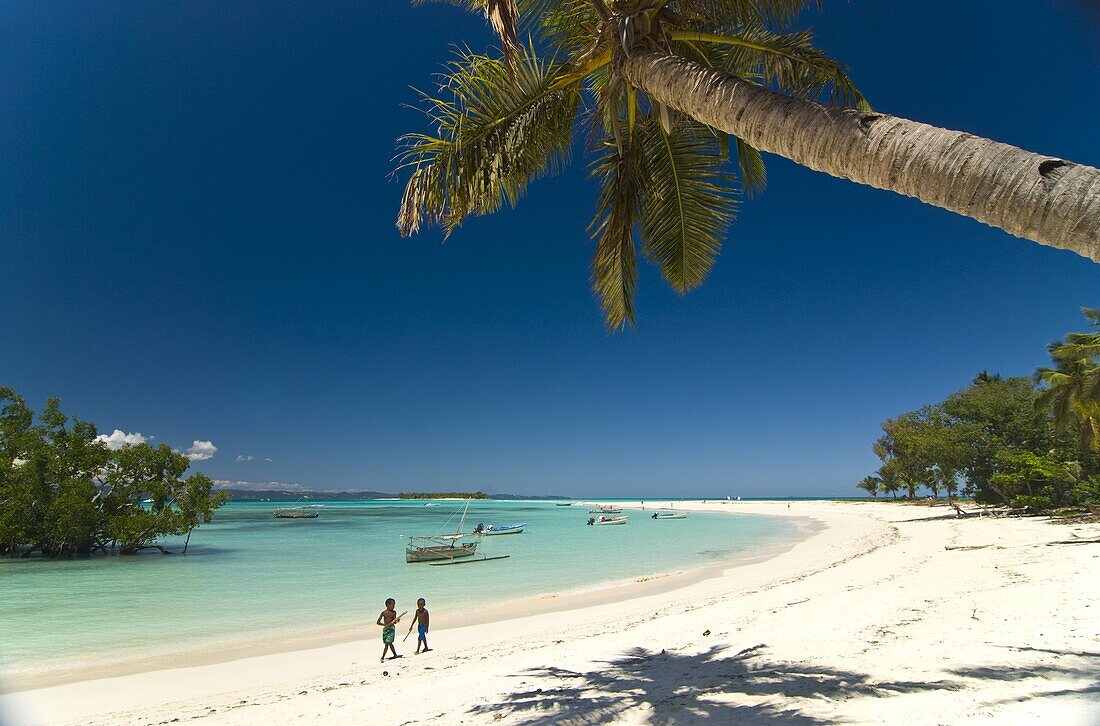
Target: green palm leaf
[[498, 127], [688, 201], [615, 264], [754, 177], [781, 61]]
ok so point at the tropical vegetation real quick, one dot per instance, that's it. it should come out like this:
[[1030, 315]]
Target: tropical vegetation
[[1024, 442], [63, 492], [675, 100]]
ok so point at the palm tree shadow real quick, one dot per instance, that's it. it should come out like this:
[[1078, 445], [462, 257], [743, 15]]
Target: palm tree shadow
[[1081, 666], [686, 689]]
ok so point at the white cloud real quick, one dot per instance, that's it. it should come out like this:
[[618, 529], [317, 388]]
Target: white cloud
[[250, 457], [260, 485], [120, 439], [201, 450]]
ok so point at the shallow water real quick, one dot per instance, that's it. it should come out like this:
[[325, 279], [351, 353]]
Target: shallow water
[[248, 576]]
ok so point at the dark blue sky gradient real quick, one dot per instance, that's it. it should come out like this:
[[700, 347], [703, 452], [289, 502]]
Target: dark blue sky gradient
[[196, 221]]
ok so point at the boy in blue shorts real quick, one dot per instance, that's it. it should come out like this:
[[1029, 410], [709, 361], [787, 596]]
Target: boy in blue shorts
[[421, 623]]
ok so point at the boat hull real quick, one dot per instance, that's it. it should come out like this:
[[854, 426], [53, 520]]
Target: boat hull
[[439, 552], [295, 515], [609, 522], [492, 531]]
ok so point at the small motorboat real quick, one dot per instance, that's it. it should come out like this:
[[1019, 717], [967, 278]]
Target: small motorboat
[[495, 529], [602, 520], [669, 514]]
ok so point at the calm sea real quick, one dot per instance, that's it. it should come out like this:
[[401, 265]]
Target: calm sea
[[249, 577]]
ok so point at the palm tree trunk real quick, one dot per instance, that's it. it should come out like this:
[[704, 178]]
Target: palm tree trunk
[[1041, 198]]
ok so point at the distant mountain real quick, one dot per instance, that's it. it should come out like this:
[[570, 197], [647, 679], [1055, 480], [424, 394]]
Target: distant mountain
[[245, 495]]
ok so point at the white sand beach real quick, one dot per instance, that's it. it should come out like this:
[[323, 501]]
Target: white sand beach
[[885, 615]]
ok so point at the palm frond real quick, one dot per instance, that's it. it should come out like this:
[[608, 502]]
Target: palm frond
[[569, 25], [754, 177], [614, 263], [785, 62], [506, 17], [745, 12], [688, 202], [497, 127]]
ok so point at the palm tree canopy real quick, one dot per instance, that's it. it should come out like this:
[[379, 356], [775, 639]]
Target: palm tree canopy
[[1072, 387], [669, 185], [984, 377]]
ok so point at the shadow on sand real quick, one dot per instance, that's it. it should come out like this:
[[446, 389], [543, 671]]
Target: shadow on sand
[[1077, 665], [744, 687]]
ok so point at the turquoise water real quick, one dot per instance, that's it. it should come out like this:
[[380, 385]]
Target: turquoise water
[[248, 576]]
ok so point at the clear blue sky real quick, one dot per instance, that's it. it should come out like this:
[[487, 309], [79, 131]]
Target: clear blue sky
[[196, 222]]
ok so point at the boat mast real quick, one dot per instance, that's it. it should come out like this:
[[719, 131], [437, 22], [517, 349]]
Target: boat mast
[[462, 521]]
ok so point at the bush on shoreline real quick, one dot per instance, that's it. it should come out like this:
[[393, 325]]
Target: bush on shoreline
[[63, 492]]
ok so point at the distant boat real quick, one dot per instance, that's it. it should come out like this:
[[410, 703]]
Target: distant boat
[[606, 509], [431, 504], [601, 521], [668, 514], [496, 529], [296, 513], [563, 504], [443, 547]]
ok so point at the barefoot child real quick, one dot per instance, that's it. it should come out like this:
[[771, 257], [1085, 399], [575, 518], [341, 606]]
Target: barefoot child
[[388, 618], [421, 623]]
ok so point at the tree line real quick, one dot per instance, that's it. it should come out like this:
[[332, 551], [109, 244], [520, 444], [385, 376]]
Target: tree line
[[63, 492], [1032, 443]]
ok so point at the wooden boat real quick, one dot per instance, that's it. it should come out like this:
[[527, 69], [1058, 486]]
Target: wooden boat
[[669, 514], [291, 513], [563, 504], [435, 549], [497, 529], [606, 509], [308, 511], [443, 547], [601, 521]]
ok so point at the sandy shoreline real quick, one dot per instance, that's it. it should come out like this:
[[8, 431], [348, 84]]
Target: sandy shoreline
[[607, 591], [872, 619]]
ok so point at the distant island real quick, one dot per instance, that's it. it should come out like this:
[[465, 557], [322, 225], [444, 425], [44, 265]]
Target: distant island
[[443, 495], [296, 494]]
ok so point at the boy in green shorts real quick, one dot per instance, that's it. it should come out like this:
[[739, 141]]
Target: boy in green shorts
[[388, 619]]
